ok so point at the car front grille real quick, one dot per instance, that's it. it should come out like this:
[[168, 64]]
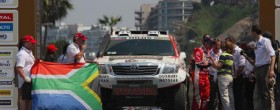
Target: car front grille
[[139, 70], [135, 82]]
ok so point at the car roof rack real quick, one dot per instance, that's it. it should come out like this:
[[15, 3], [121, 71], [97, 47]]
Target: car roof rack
[[132, 33]]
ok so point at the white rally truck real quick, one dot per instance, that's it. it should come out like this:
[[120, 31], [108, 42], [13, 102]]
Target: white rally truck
[[142, 68]]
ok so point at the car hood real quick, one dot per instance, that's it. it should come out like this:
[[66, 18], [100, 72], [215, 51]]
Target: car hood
[[124, 59]]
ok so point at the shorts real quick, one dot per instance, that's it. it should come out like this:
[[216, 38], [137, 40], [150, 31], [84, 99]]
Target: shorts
[[26, 91]]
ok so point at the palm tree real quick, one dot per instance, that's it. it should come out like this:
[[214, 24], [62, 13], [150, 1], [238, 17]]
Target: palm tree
[[112, 21], [53, 10]]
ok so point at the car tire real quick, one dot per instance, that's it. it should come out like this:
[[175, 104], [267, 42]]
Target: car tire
[[180, 97], [106, 98]]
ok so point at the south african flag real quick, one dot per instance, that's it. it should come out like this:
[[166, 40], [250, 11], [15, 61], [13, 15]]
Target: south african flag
[[64, 86]]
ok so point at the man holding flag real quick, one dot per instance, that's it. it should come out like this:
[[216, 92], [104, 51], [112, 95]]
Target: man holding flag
[[24, 62]]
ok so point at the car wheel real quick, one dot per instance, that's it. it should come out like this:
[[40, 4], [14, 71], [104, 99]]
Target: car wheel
[[180, 97]]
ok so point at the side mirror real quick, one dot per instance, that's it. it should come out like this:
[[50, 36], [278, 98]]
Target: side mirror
[[183, 56]]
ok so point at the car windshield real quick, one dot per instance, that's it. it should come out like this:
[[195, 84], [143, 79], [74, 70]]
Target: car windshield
[[156, 47]]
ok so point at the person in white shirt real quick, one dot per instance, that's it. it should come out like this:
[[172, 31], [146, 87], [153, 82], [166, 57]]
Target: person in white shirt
[[75, 51], [215, 53], [264, 72], [24, 62]]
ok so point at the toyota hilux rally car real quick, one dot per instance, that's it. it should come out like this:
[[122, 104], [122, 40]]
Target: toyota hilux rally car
[[142, 68]]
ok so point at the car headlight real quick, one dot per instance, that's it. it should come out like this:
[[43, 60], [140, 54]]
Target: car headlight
[[102, 69], [170, 69]]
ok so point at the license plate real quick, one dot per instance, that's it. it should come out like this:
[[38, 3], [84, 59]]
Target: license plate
[[135, 90]]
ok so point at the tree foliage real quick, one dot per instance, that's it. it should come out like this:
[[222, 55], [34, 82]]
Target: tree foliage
[[53, 10], [110, 21], [213, 20], [218, 18]]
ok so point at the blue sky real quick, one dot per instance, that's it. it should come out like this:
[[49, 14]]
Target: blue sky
[[88, 11]]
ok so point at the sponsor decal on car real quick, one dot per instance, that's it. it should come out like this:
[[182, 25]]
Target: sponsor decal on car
[[168, 78], [140, 38], [103, 78]]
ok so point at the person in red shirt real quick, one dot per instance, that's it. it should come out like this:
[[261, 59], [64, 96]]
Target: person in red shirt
[[199, 74]]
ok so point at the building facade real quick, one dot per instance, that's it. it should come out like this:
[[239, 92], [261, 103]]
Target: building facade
[[142, 16], [172, 12], [152, 20], [164, 15]]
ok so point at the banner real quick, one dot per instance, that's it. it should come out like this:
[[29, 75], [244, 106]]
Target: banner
[[64, 86]]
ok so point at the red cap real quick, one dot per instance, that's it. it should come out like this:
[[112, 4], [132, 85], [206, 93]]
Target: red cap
[[51, 48], [80, 35], [29, 38]]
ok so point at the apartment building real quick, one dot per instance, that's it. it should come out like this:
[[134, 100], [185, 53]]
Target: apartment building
[[172, 12], [164, 15]]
